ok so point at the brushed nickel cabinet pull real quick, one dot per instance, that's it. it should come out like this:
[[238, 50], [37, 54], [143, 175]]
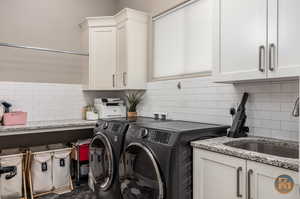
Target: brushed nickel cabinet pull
[[124, 79], [238, 189], [113, 80], [262, 57], [272, 57], [250, 172]]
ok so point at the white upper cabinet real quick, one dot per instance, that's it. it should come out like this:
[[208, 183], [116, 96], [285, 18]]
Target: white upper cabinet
[[284, 40], [122, 54], [132, 50], [256, 39], [103, 58], [242, 32], [118, 51], [182, 41]]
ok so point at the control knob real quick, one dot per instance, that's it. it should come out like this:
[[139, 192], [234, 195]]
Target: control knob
[[105, 125], [144, 133]]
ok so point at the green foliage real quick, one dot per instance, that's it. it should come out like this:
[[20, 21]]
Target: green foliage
[[133, 98]]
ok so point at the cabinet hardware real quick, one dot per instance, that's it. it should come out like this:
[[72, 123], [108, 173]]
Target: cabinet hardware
[[238, 177], [250, 172], [124, 79], [272, 57], [262, 58], [113, 80]]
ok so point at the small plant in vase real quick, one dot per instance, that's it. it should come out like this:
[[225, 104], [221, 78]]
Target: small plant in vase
[[133, 99]]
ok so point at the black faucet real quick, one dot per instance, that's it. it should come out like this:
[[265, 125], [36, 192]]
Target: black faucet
[[12, 170]]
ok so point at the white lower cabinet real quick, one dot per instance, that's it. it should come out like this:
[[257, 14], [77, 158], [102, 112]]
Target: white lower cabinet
[[262, 182], [216, 176], [220, 176]]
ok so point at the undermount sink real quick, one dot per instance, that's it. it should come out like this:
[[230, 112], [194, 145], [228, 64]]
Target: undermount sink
[[272, 148]]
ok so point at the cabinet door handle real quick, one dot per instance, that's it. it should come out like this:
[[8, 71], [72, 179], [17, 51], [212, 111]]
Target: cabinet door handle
[[124, 79], [113, 80], [238, 177], [250, 172], [262, 58], [272, 57]]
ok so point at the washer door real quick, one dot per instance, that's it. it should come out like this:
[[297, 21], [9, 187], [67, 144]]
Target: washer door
[[101, 161], [139, 175]]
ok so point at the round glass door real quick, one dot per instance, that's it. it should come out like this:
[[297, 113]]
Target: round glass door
[[101, 162], [139, 174]]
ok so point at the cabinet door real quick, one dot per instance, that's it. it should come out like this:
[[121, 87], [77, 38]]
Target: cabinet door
[[218, 176], [241, 29], [261, 179], [137, 38], [103, 57], [122, 55], [284, 40]]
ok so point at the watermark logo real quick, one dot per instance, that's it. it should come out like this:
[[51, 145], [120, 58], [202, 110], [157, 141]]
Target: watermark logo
[[284, 184]]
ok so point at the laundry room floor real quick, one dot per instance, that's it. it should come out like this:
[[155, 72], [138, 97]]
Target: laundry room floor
[[81, 192]]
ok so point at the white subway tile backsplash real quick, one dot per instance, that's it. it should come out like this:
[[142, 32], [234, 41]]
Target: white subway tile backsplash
[[264, 132], [289, 87], [45, 101], [294, 135], [280, 134], [287, 107], [283, 116], [289, 126], [268, 109]]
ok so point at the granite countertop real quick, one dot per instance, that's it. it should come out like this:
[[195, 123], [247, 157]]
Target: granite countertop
[[47, 125], [217, 145]]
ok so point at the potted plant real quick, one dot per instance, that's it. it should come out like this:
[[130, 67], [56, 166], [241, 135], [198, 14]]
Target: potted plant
[[133, 99]]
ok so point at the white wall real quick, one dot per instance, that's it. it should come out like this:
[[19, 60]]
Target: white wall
[[269, 107], [152, 6], [47, 101], [49, 24]]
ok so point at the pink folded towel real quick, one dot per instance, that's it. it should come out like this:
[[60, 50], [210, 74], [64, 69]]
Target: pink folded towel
[[14, 118]]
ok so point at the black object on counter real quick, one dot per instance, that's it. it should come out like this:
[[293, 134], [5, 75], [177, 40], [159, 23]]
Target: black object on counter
[[232, 111], [6, 106], [238, 128]]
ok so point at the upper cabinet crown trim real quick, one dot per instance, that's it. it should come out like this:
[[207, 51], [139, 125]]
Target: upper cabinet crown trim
[[120, 17], [130, 14], [98, 22]]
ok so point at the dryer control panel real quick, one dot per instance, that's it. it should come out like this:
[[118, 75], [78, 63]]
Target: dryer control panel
[[159, 136]]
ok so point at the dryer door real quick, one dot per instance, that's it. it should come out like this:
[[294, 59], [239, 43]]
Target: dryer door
[[101, 162], [140, 176]]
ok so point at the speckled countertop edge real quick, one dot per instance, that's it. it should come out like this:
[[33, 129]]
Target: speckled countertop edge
[[217, 145], [40, 125]]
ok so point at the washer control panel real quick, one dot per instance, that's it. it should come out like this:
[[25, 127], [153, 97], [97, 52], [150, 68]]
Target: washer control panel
[[109, 126]]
